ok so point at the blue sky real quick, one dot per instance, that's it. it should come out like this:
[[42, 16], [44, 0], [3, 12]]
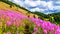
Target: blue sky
[[44, 6]]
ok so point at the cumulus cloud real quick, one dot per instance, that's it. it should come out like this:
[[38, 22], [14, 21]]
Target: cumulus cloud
[[38, 5], [58, 2], [57, 7], [31, 3]]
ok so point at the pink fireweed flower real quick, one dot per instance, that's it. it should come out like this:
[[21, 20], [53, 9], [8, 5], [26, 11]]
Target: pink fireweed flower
[[0, 23], [57, 31], [21, 16], [32, 19], [55, 26], [45, 32], [49, 25], [8, 23], [38, 24], [34, 33], [36, 21], [8, 32], [16, 24], [40, 21], [15, 14], [44, 25], [58, 27], [16, 32], [35, 28]]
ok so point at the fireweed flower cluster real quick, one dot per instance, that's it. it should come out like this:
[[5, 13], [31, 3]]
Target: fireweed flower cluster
[[11, 22], [47, 27]]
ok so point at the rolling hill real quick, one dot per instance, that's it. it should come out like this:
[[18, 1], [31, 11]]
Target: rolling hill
[[15, 19], [7, 5], [56, 17]]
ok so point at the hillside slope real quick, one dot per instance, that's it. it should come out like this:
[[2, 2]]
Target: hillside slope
[[14, 20], [56, 17], [7, 5], [14, 8]]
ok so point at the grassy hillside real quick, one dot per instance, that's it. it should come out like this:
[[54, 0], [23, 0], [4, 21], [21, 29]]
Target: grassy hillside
[[15, 7], [56, 17], [7, 5], [14, 20]]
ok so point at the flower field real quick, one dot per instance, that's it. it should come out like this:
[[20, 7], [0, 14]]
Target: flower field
[[15, 23], [18, 21]]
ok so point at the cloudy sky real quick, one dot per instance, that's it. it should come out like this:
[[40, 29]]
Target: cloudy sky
[[44, 6]]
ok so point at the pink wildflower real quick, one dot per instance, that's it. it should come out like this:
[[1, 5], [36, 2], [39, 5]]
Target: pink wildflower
[[8, 23], [35, 28], [45, 32], [0, 23], [16, 32], [8, 32]]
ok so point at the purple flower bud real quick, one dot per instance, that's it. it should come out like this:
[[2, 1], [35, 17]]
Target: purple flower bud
[[16, 32], [33, 33], [8, 32], [35, 28], [0, 23], [8, 23], [45, 32], [57, 31]]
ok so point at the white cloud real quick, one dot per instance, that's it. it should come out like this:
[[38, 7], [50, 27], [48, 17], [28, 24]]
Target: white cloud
[[49, 12], [30, 3], [50, 5], [57, 7], [18, 2], [37, 9], [58, 2]]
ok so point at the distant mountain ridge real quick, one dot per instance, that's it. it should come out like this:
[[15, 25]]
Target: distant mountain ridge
[[56, 16]]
